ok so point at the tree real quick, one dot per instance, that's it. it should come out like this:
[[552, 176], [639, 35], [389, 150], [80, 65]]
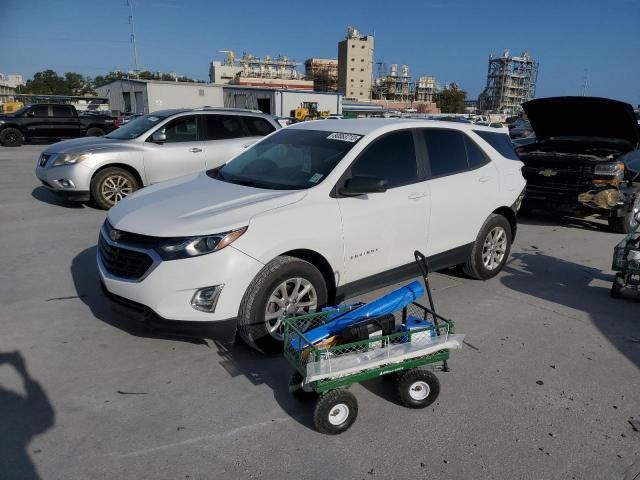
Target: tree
[[451, 99], [49, 82]]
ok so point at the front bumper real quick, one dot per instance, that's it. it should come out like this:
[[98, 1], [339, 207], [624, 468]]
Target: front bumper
[[69, 181], [167, 289], [223, 330]]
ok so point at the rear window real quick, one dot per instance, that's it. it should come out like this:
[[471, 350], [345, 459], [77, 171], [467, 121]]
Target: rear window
[[500, 142], [258, 127]]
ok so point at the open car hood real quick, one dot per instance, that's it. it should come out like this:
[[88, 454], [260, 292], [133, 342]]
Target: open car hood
[[582, 117]]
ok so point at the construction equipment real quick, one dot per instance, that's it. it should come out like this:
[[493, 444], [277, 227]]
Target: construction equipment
[[10, 107], [309, 111]]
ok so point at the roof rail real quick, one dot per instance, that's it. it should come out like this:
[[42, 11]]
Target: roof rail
[[228, 109]]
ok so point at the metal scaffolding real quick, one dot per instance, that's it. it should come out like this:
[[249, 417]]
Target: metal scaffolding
[[511, 81], [393, 86]]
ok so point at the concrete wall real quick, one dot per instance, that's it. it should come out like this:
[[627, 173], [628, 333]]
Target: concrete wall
[[179, 95]]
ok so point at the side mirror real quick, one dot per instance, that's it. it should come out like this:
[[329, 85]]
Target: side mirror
[[363, 184], [638, 216], [159, 136], [31, 113]]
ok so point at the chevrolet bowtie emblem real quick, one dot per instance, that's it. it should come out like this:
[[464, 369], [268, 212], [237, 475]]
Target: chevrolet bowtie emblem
[[114, 235], [547, 172]]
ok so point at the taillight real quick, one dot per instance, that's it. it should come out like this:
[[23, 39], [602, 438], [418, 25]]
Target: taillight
[[116, 122]]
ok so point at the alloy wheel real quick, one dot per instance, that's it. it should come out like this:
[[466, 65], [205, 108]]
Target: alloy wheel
[[494, 248], [295, 296], [115, 188]]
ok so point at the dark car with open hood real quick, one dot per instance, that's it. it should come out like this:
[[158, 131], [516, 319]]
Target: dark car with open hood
[[586, 158]]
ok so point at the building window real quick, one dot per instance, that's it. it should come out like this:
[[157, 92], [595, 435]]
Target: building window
[[363, 47], [362, 69], [353, 59], [352, 69], [361, 80], [353, 45], [362, 60], [351, 93]]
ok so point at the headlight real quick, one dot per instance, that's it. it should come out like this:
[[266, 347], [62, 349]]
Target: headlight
[[195, 246], [69, 158], [612, 173]]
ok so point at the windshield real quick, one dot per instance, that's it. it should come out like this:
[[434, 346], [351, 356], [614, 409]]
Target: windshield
[[135, 128], [290, 159]]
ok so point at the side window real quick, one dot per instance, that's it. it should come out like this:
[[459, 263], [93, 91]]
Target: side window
[[61, 111], [182, 129], [258, 127], [40, 111], [500, 142], [476, 157], [392, 158], [223, 127], [446, 150]]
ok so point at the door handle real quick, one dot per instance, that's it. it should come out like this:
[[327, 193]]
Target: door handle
[[416, 195], [484, 179], [195, 150]]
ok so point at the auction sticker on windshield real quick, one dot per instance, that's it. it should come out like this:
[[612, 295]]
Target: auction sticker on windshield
[[345, 137]]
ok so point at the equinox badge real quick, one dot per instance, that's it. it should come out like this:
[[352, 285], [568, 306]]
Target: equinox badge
[[547, 172]]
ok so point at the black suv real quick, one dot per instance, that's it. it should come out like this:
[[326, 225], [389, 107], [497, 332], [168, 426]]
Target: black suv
[[585, 158]]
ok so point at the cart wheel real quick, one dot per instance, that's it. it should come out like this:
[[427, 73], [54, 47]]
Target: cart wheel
[[301, 393], [335, 412], [618, 285], [418, 388]]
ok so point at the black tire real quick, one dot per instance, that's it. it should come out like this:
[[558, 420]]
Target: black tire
[[475, 266], [114, 175], [296, 389], [418, 388], [617, 286], [95, 132], [11, 137], [252, 325], [335, 412]]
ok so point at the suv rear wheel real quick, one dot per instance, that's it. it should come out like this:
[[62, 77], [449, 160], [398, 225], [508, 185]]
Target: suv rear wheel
[[491, 248], [11, 137], [285, 286], [111, 185]]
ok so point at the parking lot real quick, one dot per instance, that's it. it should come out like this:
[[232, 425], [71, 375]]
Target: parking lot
[[547, 385]]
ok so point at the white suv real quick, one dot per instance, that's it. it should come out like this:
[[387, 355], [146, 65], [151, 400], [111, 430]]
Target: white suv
[[150, 149], [308, 216]]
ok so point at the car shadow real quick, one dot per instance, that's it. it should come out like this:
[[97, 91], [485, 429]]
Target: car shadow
[[84, 272], [44, 195], [563, 220], [22, 417], [570, 284], [272, 371]]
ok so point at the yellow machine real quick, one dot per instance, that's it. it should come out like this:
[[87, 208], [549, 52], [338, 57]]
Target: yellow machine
[[10, 107], [309, 111]]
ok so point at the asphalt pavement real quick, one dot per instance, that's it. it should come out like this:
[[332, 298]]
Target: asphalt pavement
[[546, 387]]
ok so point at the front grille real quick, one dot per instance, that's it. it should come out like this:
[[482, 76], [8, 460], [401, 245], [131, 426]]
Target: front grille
[[564, 178], [122, 262], [132, 239]]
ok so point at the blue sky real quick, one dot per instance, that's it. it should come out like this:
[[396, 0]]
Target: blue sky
[[449, 39]]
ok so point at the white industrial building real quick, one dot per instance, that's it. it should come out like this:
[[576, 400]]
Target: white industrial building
[[279, 101], [146, 96]]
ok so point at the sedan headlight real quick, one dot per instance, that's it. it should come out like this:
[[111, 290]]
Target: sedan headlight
[[609, 173], [187, 247], [69, 158]]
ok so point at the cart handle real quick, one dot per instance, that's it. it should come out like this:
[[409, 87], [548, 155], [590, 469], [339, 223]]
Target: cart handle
[[421, 260]]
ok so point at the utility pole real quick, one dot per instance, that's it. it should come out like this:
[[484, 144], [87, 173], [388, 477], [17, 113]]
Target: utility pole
[[585, 82], [133, 36]]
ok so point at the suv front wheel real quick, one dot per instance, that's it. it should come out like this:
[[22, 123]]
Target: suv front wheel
[[285, 286], [111, 185], [491, 249]]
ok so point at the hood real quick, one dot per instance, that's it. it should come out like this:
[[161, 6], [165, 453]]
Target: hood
[[582, 117], [85, 145], [195, 205]]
